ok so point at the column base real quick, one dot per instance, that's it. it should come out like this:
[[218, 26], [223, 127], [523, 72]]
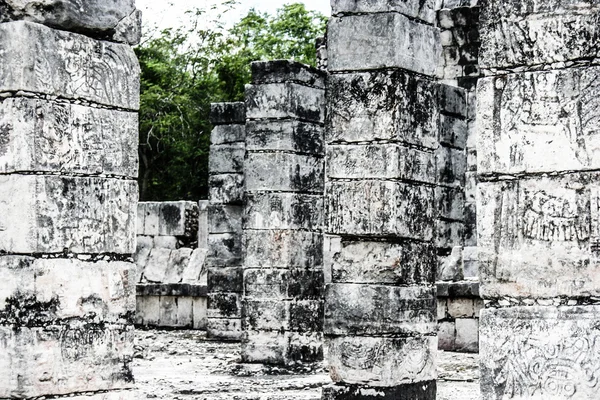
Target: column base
[[411, 391]]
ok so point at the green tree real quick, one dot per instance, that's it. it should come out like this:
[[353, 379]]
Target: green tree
[[183, 71]]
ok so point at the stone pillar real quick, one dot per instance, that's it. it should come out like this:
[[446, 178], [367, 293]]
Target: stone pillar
[[225, 208], [380, 252], [68, 164], [538, 199], [283, 270]]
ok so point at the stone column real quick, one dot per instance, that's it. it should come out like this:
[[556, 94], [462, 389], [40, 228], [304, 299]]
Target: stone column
[[225, 208], [283, 270], [380, 253], [68, 164], [538, 199]]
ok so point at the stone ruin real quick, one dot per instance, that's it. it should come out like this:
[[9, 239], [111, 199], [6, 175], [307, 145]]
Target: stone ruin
[[431, 184]]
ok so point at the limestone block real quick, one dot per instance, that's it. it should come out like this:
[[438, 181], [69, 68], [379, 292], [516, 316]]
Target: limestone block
[[281, 347], [376, 262], [177, 264], [461, 307], [378, 361], [203, 224], [380, 208], [226, 134], [450, 267], [380, 161], [453, 100], [45, 136], [267, 211], [185, 316], [447, 336], [129, 30], [47, 214], [157, 265], [223, 218], [226, 279], [280, 284], [382, 105], [199, 305], [167, 311], [178, 218], [94, 291], [226, 188], [228, 113], [283, 315], [467, 335], [450, 203], [533, 33], [224, 250], [539, 237], [141, 219], [519, 359], [224, 328], [277, 71], [471, 262], [379, 310], [451, 166], [151, 218], [283, 172], [93, 17], [142, 253], [224, 305], [413, 391], [196, 269], [442, 308], [65, 359], [282, 249], [539, 122], [59, 63], [422, 10], [453, 131], [285, 100], [227, 158], [285, 135], [166, 242], [384, 40], [147, 310]]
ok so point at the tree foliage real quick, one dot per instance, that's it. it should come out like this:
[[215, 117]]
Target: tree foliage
[[184, 70]]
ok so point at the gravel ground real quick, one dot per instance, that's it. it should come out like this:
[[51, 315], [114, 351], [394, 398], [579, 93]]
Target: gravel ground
[[185, 365]]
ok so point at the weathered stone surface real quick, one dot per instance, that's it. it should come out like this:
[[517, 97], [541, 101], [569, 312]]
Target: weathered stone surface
[[223, 218], [530, 33], [65, 359], [225, 134], [224, 328], [423, 10], [467, 335], [196, 270], [224, 250], [453, 131], [93, 17], [540, 237], [227, 158], [225, 279], [379, 310], [47, 214], [285, 100], [281, 347], [282, 249], [149, 212], [169, 218], [380, 161], [450, 267], [177, 265], [267, 211], [203, 224], [64, 64], [224, 305], [354, 261], [413, 391], [539, 122], [450, 203], [278, 71], [449, 234], [382, 105], [451, 166], [129, 30], [226, 188], [157, 265], [283, 172], [227, 113], [45, 136], [285, 135], [521, 360], [300, 284], [377, 361], [283, 315], [384, 40], [380, 208], [453, 100], [91, 291], [147, 310]]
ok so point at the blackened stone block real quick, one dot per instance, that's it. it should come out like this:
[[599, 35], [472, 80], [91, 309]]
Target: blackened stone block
[[450, 203], [227, 159], [379, 310], [224, 250], [225, 134], [228, 113], [285, 135], [283, 315], [451, 166], [282, 249], [453, 131], [267, 211], [378, 262], [224, 305], [412, 391], [224, 218], [300, 284], [226, 188], [285, 100], [226, 279], [283, 172], [279, 71]]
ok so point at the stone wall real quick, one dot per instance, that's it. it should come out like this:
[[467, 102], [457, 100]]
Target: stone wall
[[171, 276], [69, 94]]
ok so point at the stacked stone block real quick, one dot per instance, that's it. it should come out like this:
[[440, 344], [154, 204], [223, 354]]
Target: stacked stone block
[[459, 306], [283, 270], [68, 164], [171, 278], [225, 209], [538, 199], [382, 141]]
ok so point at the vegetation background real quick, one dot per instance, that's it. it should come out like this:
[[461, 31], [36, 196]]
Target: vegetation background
[[186, 69]]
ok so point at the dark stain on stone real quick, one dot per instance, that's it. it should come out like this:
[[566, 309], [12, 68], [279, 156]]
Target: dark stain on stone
[[25, 311]]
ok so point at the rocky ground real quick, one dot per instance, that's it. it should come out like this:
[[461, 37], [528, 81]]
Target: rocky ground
[[185, 365]]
